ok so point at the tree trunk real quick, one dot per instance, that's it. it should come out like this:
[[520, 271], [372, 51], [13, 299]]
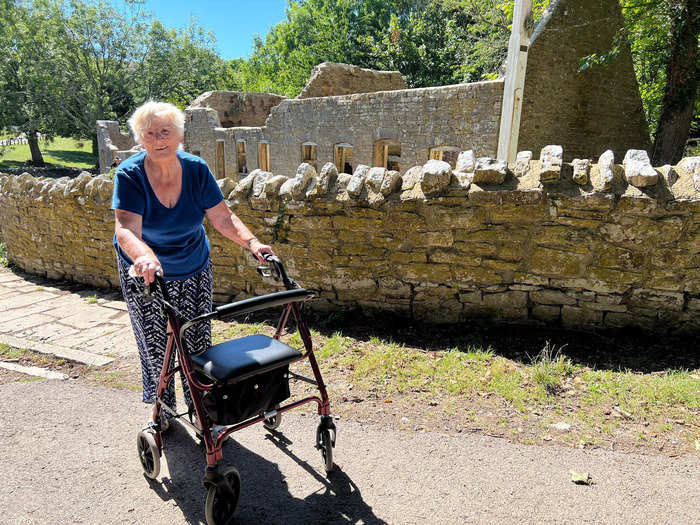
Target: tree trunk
[[33, 141], [682, 77]]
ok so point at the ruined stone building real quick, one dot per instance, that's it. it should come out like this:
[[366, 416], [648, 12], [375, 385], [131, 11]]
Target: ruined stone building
[[351, 116]]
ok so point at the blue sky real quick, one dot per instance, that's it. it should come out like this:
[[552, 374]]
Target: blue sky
[[234, 22]]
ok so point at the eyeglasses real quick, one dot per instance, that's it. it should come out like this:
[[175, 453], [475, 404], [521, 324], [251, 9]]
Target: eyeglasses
[[162, 133]]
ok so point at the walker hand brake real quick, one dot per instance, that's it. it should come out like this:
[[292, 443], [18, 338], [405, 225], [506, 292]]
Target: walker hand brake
[[147, 290]]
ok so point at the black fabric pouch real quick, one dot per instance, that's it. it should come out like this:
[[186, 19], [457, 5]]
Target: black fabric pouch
[[228, 404]]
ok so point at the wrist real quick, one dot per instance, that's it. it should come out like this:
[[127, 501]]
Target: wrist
[[251, 241]]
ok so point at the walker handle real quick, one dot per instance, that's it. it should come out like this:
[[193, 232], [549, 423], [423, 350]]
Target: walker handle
[[148, 290], [275, 270]]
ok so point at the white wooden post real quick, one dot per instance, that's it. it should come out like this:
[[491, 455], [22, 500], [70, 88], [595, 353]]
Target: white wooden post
[[515, 80]]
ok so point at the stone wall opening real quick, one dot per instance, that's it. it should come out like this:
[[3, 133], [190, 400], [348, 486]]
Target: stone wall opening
[[387, 154], [447, 154], [343, 158], [308, 153], [240, 156], [264, 155], [220, 159]]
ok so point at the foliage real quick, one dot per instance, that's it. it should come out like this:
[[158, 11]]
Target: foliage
[[431, 42], [28, 71], [179, 65], [64, 64]]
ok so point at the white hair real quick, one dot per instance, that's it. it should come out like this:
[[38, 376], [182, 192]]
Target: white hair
[[141, 119]]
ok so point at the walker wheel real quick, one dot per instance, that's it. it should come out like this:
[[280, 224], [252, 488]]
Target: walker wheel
[[149, 454], [220, 504], [271, 423], [327, 449]]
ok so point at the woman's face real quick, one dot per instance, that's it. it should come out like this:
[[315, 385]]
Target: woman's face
[[161, 139]]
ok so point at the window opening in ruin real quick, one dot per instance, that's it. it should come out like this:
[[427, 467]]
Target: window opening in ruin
[[387, 154], [264, 156], [220, 160], [308, 153], [343, 158], [448, 154], [240, 156]]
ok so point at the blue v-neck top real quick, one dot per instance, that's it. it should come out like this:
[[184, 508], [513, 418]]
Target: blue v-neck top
[[176, 235]]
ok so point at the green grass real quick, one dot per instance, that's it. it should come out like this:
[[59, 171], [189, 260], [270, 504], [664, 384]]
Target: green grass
[[672, 394], [9, 352], [4, 263], [91, 300], [550, 379], [62, 151], [602, 406]]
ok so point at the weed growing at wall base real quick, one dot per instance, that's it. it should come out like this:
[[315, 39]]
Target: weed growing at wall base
[[4, 263]]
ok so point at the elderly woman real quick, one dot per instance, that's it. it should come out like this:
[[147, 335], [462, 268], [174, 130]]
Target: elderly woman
[[160, 199]]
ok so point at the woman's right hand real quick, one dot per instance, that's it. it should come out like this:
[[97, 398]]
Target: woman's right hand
[[147, 266]]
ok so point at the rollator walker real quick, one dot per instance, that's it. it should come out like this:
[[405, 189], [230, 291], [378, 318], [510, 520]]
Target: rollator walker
[[234, 385]]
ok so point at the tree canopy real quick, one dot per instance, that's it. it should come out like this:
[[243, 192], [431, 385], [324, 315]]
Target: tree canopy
[[66, 63]]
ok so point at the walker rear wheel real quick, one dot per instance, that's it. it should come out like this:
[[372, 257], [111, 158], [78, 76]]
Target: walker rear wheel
[[149, 455], [221, 504], [271, 423]]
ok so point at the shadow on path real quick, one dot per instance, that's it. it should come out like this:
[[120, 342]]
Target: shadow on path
[[265, 497]]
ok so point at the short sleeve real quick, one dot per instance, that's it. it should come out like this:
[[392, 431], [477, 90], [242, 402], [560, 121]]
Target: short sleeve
[[128, 194], [211, 193]]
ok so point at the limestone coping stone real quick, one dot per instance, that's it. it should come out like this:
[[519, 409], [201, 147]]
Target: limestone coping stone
[[638, 169], [429, 181]]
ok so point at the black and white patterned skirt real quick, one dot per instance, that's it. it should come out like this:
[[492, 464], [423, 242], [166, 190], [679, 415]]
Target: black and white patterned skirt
[[191, 297]]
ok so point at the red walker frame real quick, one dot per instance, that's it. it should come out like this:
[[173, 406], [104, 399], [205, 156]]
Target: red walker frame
[[290, 299]]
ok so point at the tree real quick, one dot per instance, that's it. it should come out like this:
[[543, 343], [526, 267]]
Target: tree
[[682, 79], [99, 47], [28, 73], [180, 65], [431, 42], [663, 37]]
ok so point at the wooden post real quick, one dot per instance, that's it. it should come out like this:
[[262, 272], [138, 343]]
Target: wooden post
[[515, 80]]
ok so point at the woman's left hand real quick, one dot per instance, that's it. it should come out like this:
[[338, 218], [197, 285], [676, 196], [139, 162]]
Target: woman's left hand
[[259, 249]]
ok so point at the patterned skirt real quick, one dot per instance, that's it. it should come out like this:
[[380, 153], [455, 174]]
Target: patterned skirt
[[191, 297]]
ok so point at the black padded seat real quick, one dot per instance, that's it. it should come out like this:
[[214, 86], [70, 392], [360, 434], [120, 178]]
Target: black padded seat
[[244, 357]]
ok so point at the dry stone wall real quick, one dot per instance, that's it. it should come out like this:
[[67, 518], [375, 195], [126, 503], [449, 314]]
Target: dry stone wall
[[539, 241]]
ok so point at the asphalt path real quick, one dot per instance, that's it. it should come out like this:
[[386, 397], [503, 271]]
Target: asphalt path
[[68, 452]]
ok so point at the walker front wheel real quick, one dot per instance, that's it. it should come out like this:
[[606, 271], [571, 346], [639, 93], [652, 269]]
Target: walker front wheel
[[149, 454], [222, 500], [327, 449]]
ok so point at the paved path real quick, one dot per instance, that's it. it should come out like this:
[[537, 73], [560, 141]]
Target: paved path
[[69, 456], [68, 453], [71, 321]]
